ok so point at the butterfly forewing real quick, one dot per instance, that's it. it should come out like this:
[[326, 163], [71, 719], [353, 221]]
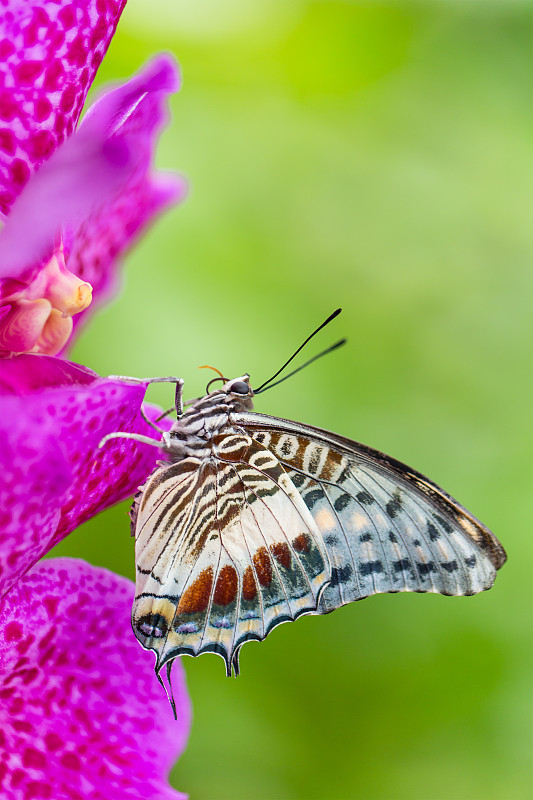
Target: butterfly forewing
[[386, 528], [226, 549]]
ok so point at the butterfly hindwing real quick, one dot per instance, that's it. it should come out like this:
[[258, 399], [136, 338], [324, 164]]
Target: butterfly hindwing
[[226, 549], [386, 528]]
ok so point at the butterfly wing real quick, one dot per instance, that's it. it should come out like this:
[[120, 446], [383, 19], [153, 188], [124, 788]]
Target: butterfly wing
[[385, 527], [286, 520], [226, 549]]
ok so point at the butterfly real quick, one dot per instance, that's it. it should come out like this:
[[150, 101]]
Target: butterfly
[[253, 520]]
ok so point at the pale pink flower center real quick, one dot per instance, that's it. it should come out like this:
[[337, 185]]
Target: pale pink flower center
[[37, 318]]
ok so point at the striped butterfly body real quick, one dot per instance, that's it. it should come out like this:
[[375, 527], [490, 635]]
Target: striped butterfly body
[[252, 521]]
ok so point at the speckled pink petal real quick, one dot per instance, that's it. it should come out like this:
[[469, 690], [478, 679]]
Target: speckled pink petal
[[82, 714], [113, 473], [28, 373], [97, 245], [35, 482], [106, 159], [49, 53], [54, 475]]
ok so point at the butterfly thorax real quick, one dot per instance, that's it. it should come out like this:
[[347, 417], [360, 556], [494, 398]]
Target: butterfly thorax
[[194, 431]]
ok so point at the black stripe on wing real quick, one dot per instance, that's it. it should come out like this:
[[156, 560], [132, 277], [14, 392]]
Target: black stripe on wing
[[236, 554], [386, 527], [282, 569]]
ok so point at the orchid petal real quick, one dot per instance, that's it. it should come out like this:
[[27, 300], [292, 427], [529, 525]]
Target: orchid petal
[[110, 151], [55, 475], [26, 374], [35, 481], [98, 243], [81, 713], [49, 53]]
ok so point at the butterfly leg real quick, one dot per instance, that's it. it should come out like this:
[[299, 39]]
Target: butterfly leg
[[179, 397], [137, 437], [151, 423], [170, 379], [173, 408], [178, 404], [177, 407], [166, 413], [178, 401]]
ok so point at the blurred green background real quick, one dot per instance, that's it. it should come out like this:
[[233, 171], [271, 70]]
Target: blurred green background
[[375, 156]]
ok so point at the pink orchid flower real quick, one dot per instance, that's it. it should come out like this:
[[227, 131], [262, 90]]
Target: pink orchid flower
[[81, 713], [71, 202]]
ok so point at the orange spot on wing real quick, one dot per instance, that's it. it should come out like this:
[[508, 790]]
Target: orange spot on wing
[[301, 543], [249, 587], [331, 466], [226, 588], [282, 554], [195, 598], [263, 566]]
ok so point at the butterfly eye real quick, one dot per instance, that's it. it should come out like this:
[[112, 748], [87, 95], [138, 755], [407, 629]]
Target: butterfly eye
[[239, 387], [153, 626]]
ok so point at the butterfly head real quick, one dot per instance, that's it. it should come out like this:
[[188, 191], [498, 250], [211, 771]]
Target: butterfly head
[[238, 393]]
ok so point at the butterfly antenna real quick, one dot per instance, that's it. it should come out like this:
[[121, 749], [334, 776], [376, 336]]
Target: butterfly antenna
[[326, 322], [323, 353]]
